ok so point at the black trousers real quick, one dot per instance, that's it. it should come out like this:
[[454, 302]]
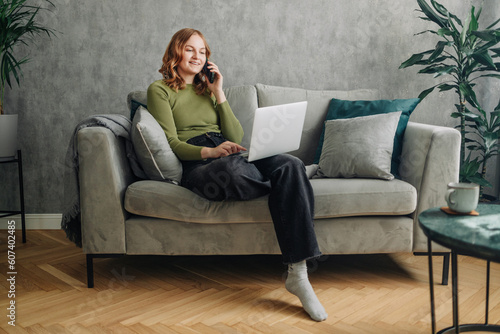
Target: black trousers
[[283, 177]]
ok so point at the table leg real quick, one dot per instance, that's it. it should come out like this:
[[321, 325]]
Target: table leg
[[457, 328], [446, 268], [487, 292], [454, 284], [431, 284], [21, 193]]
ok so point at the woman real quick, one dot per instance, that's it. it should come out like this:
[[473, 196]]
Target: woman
[[204, 133]]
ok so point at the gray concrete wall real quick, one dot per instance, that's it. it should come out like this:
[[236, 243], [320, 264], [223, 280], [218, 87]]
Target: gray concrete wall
[[107, 48]]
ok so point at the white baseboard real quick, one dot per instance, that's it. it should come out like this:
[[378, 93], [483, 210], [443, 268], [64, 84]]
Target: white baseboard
[[34, 221]]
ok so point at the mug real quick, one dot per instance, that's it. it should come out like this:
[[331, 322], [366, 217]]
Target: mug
[[462, 197]]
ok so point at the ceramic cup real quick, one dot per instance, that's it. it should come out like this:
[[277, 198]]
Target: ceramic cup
[[462, 197]]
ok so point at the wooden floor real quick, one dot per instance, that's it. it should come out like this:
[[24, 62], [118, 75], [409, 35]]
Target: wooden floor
[[228, 294]]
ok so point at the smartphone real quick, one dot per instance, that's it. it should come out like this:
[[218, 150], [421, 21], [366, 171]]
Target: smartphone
[[210, 75]]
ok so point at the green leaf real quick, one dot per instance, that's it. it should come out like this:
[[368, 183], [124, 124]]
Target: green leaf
[[438, 50], [478, 179], [438, 70], [493, 24], [486, 47], [465, 30], [439, 8], [426, 31], [473, 25], [497, 108], [456, 32], [426, 92], [469, 169], [490, 139], [473, 147], [445, 70], [469, 94], [414, 59], [444, 32], [484, 59], [443, 11], [479, 14], [445, 87], [411, 61], [492, 75], [431, 15], [472, 117], [487, 35]]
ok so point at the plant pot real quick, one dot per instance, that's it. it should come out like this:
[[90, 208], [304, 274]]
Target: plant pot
[[8, 136]]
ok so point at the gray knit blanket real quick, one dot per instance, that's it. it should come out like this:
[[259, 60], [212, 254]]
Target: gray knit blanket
[[121, 127]]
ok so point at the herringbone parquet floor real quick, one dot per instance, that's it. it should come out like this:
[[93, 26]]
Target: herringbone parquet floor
[[228, 294]]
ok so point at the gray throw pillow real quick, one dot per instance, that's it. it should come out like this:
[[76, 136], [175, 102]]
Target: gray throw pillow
[[359, 147], [152, 149]]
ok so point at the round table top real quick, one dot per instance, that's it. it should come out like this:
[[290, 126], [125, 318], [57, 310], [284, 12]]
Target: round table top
[[477, 236]]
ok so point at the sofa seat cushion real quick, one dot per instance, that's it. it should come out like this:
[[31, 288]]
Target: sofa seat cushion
[[333, 198], [341, 197]]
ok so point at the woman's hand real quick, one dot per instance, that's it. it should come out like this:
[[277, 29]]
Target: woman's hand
[[216, 86], [223, 150]]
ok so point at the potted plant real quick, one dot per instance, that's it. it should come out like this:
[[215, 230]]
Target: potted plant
[[484, 138], [18, 26], [464, 54]]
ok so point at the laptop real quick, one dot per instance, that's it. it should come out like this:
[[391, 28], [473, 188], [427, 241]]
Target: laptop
[[276, 129]]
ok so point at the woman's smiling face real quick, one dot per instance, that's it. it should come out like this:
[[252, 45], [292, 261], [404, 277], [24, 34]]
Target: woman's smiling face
[[193, 58]]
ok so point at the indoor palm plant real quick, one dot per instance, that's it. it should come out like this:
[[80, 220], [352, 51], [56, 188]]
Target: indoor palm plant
[[18, 26], [484, 133], [464, 54]]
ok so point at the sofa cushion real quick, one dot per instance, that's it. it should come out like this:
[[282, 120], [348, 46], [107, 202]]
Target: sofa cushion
[[152, 149], [333, 198], [359, 147], [317, 107], [341, 109], [363, 197], [243, 102], [136, 99]]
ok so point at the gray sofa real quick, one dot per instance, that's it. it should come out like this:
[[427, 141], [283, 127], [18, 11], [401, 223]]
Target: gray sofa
[[123, 215]]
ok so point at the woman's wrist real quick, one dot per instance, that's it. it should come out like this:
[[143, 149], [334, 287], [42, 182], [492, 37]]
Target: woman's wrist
[[220, 96], [206, 152]]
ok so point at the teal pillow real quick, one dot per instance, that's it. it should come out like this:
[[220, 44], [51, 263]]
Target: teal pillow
[[134, 105], [342, 109]]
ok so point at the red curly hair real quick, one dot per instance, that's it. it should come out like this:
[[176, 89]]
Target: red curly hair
[[173, 56]]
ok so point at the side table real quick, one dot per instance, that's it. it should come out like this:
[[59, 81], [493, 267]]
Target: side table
[[476, 236], [19, 160]]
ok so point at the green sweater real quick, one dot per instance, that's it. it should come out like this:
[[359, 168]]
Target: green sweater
[[184, 115]]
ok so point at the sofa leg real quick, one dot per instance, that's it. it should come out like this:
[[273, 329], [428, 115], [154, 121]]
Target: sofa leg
[[446, 264], [446, 268], [90, 266], [90, 271]]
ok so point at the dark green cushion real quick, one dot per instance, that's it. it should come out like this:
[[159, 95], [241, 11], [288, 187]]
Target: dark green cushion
[[342, 109], [134, 105]]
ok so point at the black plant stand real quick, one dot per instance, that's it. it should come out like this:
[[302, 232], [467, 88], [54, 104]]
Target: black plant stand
[[19, 160]]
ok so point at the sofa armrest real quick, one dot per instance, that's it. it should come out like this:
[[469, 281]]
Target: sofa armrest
[[104, 175], [429, 161]]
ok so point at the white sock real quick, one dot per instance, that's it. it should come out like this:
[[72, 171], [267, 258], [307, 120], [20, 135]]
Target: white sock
[[297, 283]]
